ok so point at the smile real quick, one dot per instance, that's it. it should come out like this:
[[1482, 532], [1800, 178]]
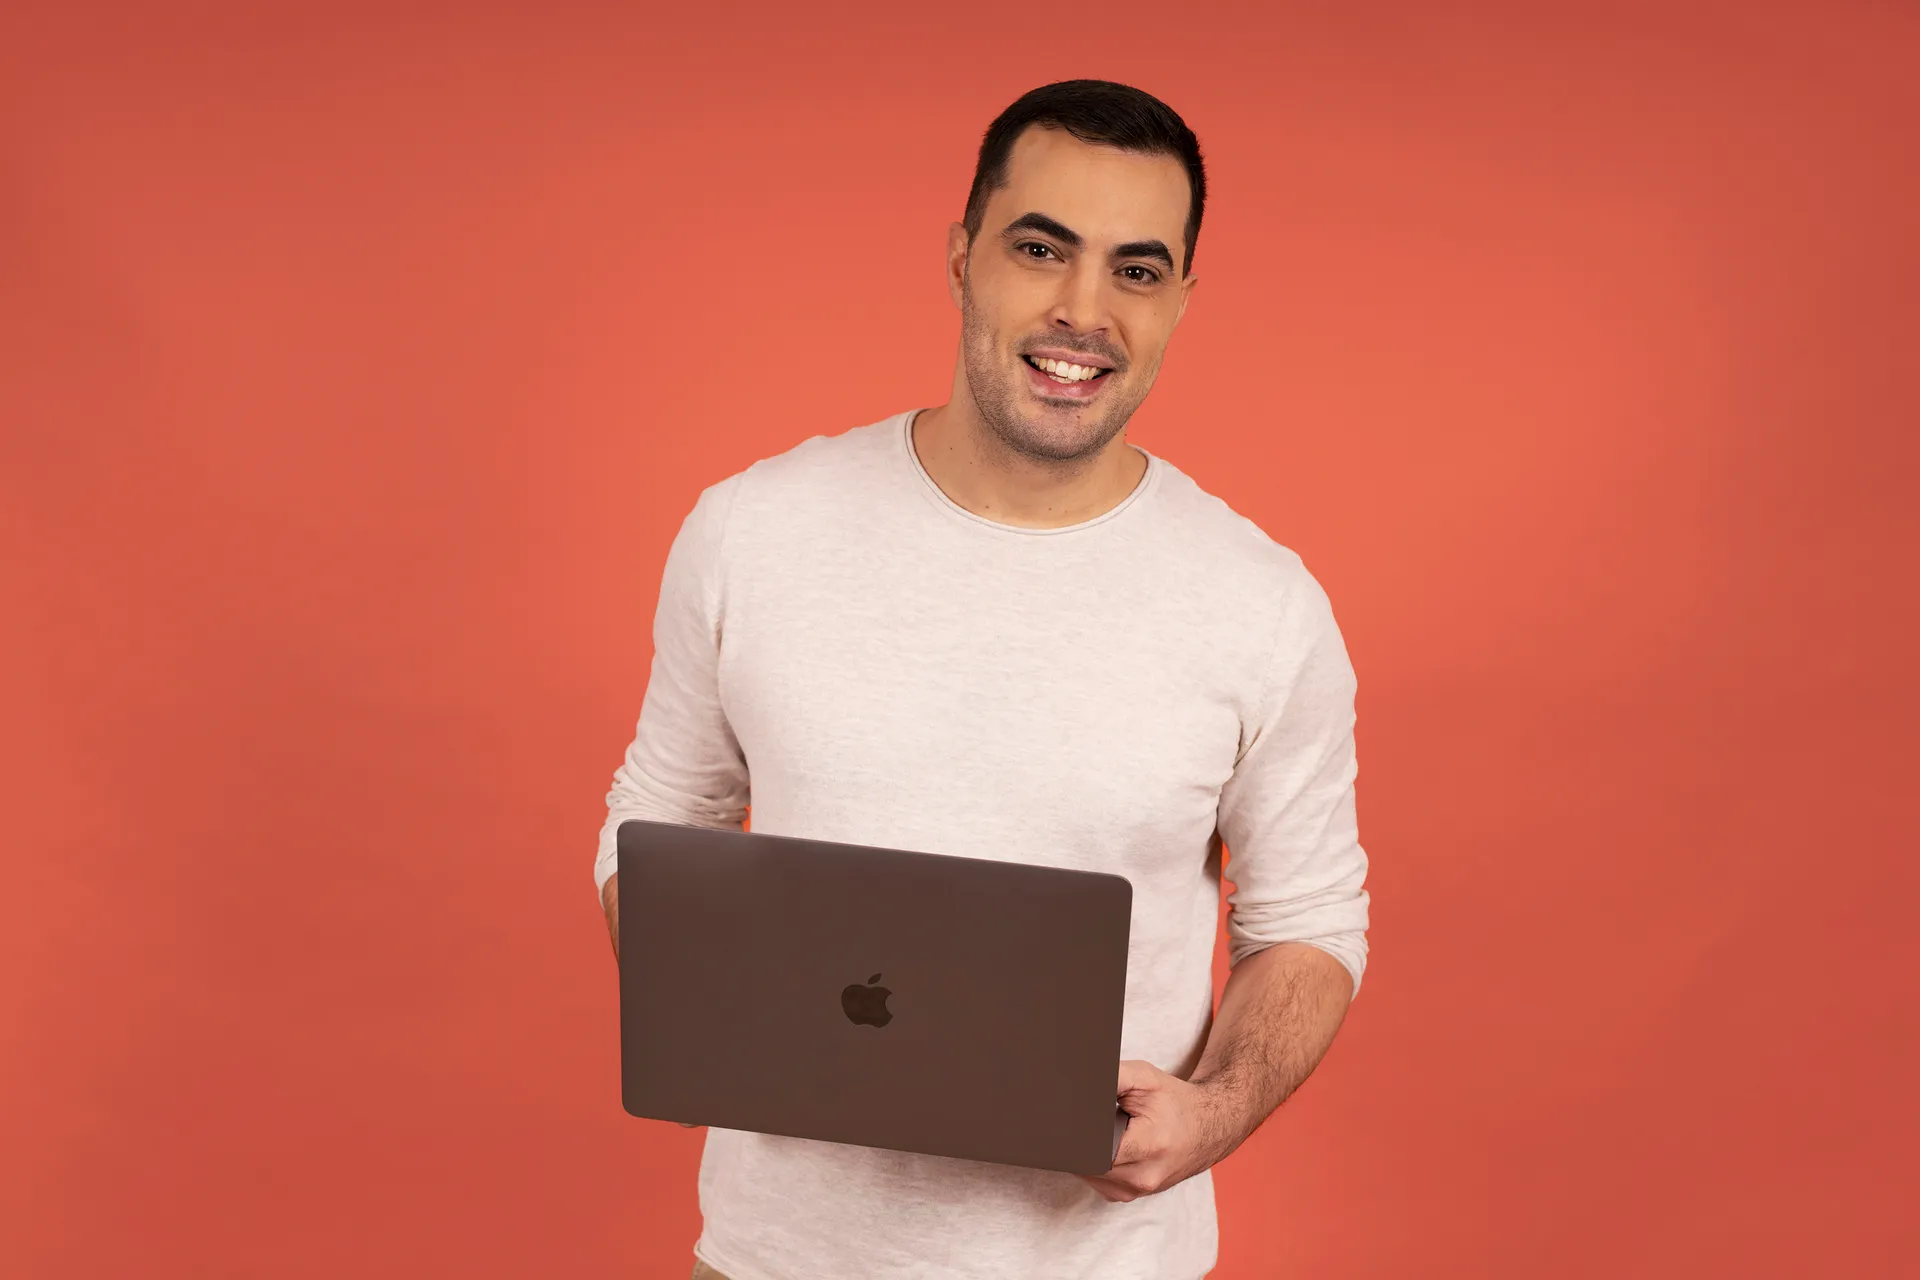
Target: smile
[[1062, 372]]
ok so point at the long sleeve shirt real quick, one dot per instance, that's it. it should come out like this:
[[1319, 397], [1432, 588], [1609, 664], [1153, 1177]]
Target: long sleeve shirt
[[863, 660]]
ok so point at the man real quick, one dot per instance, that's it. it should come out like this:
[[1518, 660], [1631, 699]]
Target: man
[[994, 628]]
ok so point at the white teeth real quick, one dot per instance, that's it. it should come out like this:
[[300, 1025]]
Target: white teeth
[[1061, 371]]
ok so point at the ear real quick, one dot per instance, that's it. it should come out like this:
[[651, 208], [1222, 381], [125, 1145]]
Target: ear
[[1186, 293], [957, 249]]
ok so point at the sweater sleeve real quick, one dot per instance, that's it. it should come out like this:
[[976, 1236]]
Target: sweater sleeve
[[1287, 813], [684, 764]]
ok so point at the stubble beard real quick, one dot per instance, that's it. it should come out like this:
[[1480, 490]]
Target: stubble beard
[[997, 394]]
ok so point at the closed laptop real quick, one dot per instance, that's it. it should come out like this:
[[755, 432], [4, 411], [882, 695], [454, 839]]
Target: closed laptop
[[889, 998]]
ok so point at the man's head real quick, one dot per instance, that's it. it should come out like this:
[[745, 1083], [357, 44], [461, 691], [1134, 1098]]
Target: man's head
[[1076, 249]]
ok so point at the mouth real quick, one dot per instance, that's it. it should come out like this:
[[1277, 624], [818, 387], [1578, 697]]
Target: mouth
[[1063, 379]]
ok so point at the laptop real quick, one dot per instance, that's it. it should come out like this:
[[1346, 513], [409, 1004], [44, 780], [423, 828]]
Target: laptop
[[912, 1001]]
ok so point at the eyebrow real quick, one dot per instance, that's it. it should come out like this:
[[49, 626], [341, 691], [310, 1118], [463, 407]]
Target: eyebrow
[[1041, 223], [1154, 249]]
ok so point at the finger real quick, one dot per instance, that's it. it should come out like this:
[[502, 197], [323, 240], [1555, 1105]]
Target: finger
[[1144, 1138], [1136, 1075], [1109, 1190], [1136, 1141]]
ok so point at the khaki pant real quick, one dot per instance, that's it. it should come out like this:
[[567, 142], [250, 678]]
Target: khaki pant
[[701, 1271]]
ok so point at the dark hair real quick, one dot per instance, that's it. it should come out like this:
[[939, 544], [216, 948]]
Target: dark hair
[[1099, 112]]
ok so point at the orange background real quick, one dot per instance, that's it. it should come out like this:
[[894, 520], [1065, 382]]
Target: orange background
[[359, 365]]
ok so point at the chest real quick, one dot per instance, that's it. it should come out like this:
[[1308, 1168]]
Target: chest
[[1063, 714]]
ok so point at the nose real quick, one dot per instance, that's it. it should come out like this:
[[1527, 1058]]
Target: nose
[[1082, 305]]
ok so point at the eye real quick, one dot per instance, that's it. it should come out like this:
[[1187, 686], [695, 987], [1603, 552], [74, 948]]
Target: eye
[[1147, 275], [1035, 250]]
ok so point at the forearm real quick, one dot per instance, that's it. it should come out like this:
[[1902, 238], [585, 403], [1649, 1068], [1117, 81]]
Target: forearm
[[610, 903], [1278, 1015]]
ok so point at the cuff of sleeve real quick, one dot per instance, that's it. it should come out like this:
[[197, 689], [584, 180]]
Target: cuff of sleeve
[[1350, 949]]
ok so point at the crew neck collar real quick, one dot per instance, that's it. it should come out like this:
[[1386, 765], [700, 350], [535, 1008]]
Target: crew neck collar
[[903, 433]]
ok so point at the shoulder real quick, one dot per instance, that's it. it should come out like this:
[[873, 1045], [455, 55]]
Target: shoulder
[[834, 462], [822, 469], [1203, 530], [1267, 584]]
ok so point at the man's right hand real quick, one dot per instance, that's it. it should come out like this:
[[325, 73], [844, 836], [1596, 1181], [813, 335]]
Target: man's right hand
[[610, 903]]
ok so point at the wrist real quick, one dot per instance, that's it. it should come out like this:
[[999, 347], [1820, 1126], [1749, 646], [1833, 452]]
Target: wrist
[[1224, 1112]]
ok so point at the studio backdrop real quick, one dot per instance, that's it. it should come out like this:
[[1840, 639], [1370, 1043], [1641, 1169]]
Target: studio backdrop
[[358, 363]]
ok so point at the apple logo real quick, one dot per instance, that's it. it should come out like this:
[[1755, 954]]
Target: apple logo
[[867, 1006]]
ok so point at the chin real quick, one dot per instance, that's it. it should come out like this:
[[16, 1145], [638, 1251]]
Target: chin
[[1057, 442]]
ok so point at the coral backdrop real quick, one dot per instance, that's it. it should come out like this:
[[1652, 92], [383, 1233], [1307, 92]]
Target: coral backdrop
[[358, 361]]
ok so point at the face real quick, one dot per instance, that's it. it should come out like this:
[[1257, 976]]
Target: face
[[1077, 263]]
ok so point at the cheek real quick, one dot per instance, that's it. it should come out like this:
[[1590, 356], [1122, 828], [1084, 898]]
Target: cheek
[[1146, 334], [1012, 303]]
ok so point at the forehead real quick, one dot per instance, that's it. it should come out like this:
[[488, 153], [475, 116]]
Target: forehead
[[1106, 195]]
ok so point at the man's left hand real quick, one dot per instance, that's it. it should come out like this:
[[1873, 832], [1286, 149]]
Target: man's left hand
[[1175, 1129]]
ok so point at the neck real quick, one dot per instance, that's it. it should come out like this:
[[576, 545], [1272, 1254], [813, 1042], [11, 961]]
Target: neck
[[977, 469]]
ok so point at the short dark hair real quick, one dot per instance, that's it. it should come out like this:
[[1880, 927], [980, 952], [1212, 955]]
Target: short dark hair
[[1099, 112]]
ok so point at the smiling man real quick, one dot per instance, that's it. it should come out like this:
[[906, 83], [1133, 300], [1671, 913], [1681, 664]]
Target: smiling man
[[996, 628]]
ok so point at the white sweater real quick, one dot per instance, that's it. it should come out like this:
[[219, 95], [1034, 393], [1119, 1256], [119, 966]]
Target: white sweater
[[876, 665]]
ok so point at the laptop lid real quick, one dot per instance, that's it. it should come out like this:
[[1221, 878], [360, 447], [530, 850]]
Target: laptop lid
[[913, 1001]]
